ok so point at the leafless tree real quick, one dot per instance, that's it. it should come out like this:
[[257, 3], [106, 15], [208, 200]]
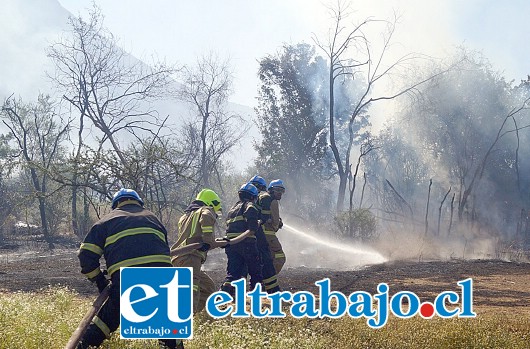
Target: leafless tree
[[484, 161], [351, 53], [451, 216], [365, 149], [362, 191], [110, 89], [213, 130], [440, 212], [427, 208]]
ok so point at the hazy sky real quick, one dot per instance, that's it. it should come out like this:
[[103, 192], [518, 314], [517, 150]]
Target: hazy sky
[[245, 31]]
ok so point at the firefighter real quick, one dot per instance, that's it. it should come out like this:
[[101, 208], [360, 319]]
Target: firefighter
[[270, 281], [129, 236], [197, 225], [270, 211], [243, 217]]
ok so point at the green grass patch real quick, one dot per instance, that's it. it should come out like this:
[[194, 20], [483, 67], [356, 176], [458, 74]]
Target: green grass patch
[[46, 319]]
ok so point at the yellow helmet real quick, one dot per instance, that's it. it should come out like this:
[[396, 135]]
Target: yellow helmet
[[210, 198]]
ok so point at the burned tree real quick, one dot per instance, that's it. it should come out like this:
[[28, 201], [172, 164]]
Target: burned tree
[[352, 54]]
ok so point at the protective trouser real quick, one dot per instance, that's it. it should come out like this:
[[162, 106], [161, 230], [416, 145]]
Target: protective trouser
[[270, 281], [240, 256], [107, 321], [203, 285], [276, 250], [171, 343]]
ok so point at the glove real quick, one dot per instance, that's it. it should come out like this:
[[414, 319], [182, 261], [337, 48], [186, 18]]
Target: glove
[[205, 247], [101, 282], [280, 225]]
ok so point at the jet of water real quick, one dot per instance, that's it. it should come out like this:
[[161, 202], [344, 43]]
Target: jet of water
[[373, 256]]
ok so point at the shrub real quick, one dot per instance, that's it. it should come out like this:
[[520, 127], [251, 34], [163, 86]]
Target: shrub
[[358, 224]]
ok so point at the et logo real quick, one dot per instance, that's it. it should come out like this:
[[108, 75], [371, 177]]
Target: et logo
[[156, 303]]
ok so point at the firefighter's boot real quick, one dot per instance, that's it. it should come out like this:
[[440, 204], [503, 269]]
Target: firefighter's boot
[[171, 344]]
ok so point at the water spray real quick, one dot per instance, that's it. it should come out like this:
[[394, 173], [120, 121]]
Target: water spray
[[373, 256]]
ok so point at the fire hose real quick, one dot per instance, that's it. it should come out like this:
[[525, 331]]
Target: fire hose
[[85, 322], [217, 243]]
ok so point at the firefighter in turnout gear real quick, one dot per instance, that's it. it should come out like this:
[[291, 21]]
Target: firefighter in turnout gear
[[270, 214], [197, 225], [242, 217], [270, 281], [129, 236]]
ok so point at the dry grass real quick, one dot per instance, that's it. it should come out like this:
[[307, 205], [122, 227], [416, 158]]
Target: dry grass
[[45, 319]]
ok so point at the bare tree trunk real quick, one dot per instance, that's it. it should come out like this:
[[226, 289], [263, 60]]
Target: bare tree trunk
[[365, 149], [401, 197], [517, 158], [42, 208], [354, 181], [362, 191], [205, 178], [451, 217], [473, 215], [427, 209], [73, 207], [343, 177], [440, 211], [219, 181], [519, 228], [75, 174], [479, 171], [86, 213], [160, 194]]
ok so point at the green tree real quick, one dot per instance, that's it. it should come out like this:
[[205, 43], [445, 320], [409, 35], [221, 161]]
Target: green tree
[[290, 118]]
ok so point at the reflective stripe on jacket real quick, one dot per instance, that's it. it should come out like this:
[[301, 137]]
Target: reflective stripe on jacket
[[242, 216], [128, 236], [270, 213], [196, 226]]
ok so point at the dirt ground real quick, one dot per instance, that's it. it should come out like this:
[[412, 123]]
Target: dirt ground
[[498, 285]]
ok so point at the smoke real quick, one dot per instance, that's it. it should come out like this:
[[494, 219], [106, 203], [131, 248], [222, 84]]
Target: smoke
[[405, 244], [26, 29]]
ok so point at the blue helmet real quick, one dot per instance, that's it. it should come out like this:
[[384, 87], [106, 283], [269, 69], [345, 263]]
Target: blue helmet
[[258, 182], [248, 190], [276, 185], [125, 194]]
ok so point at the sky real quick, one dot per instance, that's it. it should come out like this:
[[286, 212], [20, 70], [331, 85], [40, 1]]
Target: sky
[[246, 31], [179, 31]]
